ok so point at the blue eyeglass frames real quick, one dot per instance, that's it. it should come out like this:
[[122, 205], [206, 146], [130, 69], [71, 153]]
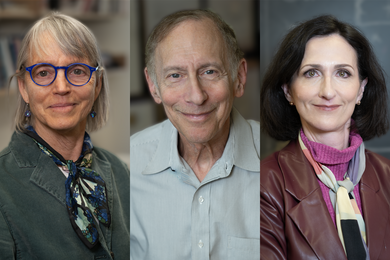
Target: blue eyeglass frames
[[77, 74]]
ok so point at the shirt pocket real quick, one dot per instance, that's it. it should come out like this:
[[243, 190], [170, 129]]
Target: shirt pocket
[[243, 248]]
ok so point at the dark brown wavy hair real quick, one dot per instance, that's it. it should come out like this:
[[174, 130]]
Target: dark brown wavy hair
[[281, 121]]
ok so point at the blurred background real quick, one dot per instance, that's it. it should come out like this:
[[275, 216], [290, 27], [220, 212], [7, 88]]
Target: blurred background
[[109, 20], [241, 15], [371, 17]]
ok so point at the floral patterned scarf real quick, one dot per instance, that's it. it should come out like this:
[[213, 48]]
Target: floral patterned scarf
[[86, 195]]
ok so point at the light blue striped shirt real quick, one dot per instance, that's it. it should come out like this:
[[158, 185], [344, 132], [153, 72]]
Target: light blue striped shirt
[[173, 216]]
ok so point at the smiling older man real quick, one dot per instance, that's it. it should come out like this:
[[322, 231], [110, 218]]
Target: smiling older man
[[194, 178]]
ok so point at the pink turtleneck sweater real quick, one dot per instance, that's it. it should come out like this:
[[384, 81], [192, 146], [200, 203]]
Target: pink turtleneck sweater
[[337, 161]]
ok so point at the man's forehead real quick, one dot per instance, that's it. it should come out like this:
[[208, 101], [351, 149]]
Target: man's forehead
[[206, 25], [190, 30], [191, 36]]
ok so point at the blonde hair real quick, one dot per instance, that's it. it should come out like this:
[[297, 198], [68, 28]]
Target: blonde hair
[[74, 39]]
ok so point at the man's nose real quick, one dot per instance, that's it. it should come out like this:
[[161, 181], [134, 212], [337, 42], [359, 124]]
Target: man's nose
[[195, 91]]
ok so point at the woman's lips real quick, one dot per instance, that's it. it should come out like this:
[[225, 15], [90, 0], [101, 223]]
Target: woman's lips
[[65, 107], [327, 107]]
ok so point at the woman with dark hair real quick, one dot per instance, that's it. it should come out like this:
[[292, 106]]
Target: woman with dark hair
[[324, 196]]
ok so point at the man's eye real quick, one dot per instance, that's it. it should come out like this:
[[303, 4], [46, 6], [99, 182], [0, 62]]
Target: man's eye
[[209, 72], [175, 75]]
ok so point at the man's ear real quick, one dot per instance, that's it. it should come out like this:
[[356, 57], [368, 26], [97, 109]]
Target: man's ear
[[239, 87], [23, 90], [152, 87], [286, 91]]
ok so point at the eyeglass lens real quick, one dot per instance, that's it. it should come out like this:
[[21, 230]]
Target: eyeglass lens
[[77, 74]]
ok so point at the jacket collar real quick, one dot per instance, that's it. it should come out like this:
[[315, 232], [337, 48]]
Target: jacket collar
[[308, 213], [46, 174], [375, 208], [24, 149], [240, 149]]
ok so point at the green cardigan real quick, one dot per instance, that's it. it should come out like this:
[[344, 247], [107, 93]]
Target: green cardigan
[[34, 222]]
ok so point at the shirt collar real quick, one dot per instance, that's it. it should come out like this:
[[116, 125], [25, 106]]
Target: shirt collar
[[239, 150], [244, 151], [167, 145]]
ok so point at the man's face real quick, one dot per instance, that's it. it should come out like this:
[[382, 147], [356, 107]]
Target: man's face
[[193, 82]]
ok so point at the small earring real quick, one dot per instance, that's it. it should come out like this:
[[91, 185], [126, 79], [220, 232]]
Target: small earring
[[28, 112], [93, 113], [358, 103], [291, 103]]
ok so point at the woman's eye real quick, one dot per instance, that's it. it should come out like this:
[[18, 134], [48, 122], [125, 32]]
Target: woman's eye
[[43, 73], [344, 74], [310, 73], [77, 72]]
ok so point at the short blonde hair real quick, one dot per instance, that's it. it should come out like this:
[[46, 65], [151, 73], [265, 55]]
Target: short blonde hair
[[74, 39]]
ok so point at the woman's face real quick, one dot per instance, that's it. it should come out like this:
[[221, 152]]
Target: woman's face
[[326, 86], [60, 106]]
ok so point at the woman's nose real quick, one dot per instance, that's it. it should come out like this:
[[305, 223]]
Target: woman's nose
[[327, 90], [61, 85]]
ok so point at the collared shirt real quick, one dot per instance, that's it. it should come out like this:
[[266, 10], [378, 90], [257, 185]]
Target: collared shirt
[[174, 216]]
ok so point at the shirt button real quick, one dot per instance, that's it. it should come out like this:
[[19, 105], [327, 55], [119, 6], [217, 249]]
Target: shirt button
[[200, 244], [201, 199]]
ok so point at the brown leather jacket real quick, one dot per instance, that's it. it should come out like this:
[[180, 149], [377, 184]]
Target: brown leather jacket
[[294, 220]]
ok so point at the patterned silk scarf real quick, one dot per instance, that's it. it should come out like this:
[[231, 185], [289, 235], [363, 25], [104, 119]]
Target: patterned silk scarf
[[349, 221], [86, 195]]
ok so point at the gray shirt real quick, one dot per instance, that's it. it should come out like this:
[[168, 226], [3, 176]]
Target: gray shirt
[[174, 216]]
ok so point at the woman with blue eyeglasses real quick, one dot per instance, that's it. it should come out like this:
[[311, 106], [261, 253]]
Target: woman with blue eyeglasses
[[61, 197]]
